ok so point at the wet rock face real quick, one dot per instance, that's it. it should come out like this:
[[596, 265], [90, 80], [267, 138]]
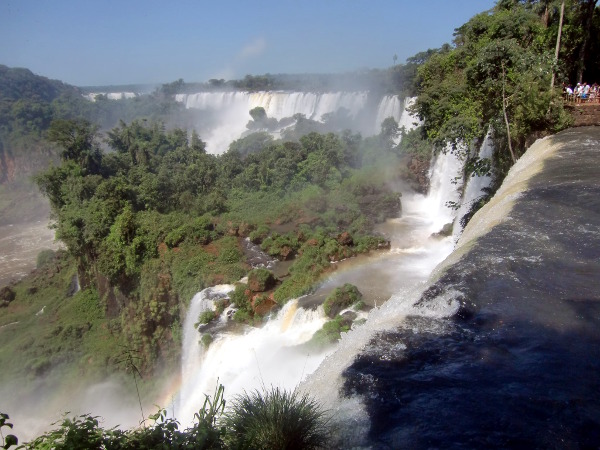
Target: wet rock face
[[419, 169]]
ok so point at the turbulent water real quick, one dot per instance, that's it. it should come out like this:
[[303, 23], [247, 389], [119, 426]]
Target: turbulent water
[[273, 355], [502, 349], [19, 247]]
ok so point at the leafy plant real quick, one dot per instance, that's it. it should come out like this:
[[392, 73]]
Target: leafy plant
[[77, 432], [275, 420], [330, 333], [10, 439], [341, 298]]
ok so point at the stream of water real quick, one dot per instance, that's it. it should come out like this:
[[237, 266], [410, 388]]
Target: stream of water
[[273, 355]]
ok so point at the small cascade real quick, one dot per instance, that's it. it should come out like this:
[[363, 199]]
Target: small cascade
[[475, 185], [445, 187], [407, 120], [267, 356], [191, 352], [389, 106]]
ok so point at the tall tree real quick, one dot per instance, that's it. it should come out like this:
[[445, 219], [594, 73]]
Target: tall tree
[[77, 139], [587, 9]]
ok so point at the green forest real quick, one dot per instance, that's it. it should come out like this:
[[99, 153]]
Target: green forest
[[148, 217]]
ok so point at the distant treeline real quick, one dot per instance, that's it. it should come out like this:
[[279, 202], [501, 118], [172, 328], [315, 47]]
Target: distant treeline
[[399, 79]]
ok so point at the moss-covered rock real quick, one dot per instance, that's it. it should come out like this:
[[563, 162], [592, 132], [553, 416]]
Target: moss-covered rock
[[340, 299], [331, 332], [260, 280]]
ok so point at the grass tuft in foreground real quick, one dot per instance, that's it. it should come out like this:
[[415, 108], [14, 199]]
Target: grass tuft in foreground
[[275, 419]]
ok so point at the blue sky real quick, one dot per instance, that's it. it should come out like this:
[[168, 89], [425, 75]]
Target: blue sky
[[100, 42]]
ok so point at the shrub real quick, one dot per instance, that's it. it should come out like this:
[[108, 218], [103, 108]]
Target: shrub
[[330, 333], [229, 251], [274, 420], [359, 305], [44, 258], [258, 235], [260, 280], [295, 286], [78, 432], [242, 316], [341, 298], [206, 317], [239, 297], [206, 340]]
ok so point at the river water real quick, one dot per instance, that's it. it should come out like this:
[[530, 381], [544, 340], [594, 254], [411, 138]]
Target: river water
[[273, 355], [502, 349], [19, 247]]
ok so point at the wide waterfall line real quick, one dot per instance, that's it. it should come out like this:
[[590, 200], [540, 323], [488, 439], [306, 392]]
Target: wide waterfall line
[[232, 110], [276, 104]]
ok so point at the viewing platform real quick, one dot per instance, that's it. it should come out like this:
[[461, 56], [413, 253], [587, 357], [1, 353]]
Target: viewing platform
[[584, 114]]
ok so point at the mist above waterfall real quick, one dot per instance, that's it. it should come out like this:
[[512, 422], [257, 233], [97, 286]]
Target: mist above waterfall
[[226, 114]]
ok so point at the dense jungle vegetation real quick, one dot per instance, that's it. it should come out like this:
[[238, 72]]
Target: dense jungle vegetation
[[148, 217], [498, 73]]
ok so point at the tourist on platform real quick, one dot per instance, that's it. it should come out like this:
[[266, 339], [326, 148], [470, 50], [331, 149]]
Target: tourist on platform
[[568, 91], [594, 93]]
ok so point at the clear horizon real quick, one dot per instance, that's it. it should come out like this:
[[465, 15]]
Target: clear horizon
[[95, 43]]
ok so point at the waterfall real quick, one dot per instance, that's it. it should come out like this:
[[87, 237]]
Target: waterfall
[[273, 354], [110, 95], [277, 105], [266, 356], [232, 110], [475, 185], [445, 182], [430, 213], [192, 349], [500, 347]]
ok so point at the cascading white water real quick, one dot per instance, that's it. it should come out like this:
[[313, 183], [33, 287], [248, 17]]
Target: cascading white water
[[445, 179], [429, 214], [277, 104], [191, 352], [111, 95], [267, 356], [273, 355], [233, 109], [475, 184]]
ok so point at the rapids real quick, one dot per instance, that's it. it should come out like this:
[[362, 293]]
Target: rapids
[[501, 349], [273, 355], [19, 247]]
